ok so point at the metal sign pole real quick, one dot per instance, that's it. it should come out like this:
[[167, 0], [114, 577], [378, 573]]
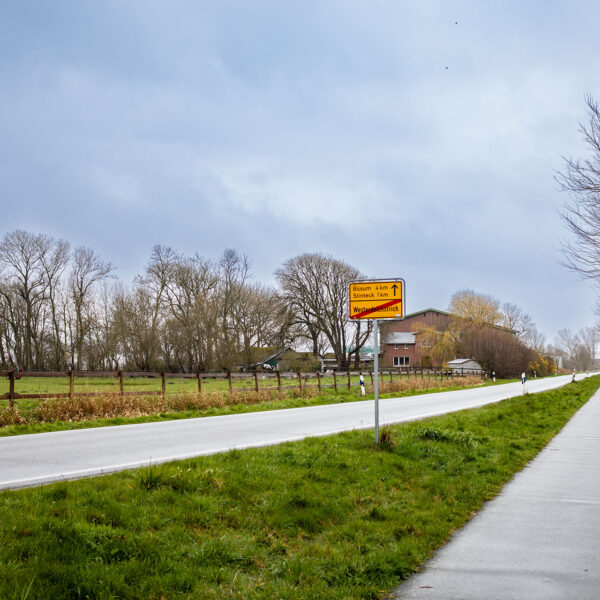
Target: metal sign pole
[[374, 300], [376, 374]]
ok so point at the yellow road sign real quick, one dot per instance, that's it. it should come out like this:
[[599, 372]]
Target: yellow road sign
[[376, 299]]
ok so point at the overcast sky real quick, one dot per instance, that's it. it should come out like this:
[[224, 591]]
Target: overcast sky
[[411, 139]]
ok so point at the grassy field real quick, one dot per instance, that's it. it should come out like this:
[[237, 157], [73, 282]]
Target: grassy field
[[177, 385], [36, 416], [324, 518]]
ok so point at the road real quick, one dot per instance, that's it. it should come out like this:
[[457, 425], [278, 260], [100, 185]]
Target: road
[[36, 459]]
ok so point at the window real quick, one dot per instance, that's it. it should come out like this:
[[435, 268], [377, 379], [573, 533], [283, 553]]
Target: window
[[395, 346], [406, 346], [401, 361]]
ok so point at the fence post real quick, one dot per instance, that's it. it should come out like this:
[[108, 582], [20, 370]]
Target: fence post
[[348, 379], [371, 375], [71, 384], [334, 382], [255, 381], [229, 379], [299, 381], [319, 380], [391, 376], [199, 383], [163, 384], [11, 390], [278, 381]]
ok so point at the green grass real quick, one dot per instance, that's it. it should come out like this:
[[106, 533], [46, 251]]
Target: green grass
[[294, 400], [323, 518], [174, 385]]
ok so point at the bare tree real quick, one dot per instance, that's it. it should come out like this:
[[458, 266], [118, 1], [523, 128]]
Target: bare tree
[[590, 337], [87, 270], [515, 319], [566, 343], [25, 281], [535, 339], [576, 353], [261, 319], [315, 288], [233, 275], [478, 308], [496, 350], [184, 291], [581, 214], [54, 261]]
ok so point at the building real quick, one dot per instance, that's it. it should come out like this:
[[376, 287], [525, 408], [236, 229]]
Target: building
[[400, 346], [465, 366], [400, 349], [400, 343]]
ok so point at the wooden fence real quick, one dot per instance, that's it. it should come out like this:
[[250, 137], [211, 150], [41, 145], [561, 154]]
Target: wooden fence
[[341, 379]]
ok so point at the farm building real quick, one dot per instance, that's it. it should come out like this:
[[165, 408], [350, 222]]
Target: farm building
[[400, 339], [401, 349], [465, 366]]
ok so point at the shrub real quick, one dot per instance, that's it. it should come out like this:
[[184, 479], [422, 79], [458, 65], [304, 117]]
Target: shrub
[[386, 439], [11, 417]]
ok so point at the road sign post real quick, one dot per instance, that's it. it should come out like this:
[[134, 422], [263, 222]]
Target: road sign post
[[376, 382], [376, 300]]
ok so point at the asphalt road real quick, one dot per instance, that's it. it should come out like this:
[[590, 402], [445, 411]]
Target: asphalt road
[[36, 459], [539, 539]]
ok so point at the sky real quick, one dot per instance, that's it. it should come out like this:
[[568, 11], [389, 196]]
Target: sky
[[410, 139]]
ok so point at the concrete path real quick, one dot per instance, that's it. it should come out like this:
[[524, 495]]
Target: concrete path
[[45, 457], [539, 539]]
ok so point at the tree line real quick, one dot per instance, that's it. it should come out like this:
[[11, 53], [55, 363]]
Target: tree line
[[505, 339], [61, 308]]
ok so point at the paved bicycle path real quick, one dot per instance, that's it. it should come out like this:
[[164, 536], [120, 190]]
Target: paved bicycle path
[[539, 539]]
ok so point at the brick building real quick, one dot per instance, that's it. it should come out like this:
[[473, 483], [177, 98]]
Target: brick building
[[400, 345]]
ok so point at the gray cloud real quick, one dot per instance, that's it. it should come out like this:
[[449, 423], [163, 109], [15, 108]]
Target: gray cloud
[[281, 129]]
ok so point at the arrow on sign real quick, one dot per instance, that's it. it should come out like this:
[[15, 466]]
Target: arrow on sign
[[375, 309], [394, 287]]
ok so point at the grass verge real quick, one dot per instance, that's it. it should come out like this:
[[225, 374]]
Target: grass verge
[[323, 518]]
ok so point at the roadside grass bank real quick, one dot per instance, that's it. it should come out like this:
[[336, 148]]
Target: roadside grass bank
[[323, 518], [33, 416]]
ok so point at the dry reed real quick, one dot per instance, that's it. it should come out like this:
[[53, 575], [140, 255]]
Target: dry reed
[[405, 384], [85, 408], [11, 417]]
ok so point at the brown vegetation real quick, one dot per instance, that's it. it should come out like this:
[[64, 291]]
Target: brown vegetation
[[82, 408]]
